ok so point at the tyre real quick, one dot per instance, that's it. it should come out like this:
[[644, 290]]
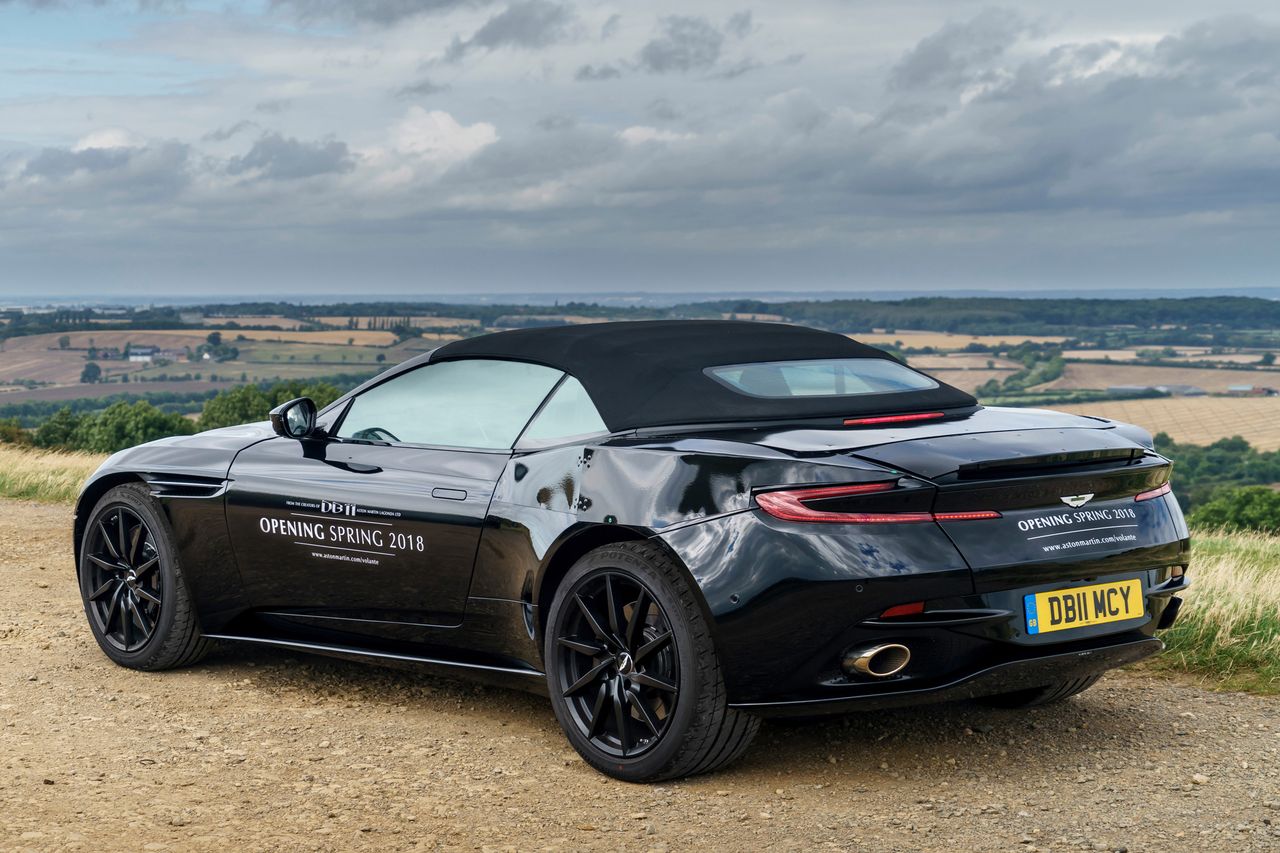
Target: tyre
[[135, 597], [633, 674], [1047, 695]]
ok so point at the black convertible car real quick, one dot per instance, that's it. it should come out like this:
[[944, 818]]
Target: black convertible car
[[672, 528]]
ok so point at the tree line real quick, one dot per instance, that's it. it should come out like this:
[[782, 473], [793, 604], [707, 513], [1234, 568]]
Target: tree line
[[126, 423]]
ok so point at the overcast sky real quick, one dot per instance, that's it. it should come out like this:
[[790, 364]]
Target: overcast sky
[[438, 146]]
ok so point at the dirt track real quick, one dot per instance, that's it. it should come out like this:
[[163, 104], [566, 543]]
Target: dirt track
[[256, 751]]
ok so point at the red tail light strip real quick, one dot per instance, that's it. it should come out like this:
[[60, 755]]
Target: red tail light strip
[[1154, 493], [894, 419], [966, 516], [789, 505]]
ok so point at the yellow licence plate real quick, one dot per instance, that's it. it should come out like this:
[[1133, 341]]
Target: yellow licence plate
[[1083, 605]]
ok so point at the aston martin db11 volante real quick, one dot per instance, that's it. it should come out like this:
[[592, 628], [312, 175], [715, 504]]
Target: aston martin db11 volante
[[672, 528]]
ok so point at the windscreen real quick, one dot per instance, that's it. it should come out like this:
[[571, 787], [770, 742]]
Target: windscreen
[[828, 377]]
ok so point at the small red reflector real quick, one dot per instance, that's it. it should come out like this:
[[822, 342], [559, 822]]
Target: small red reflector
[[894, 419], [912, 609], [1154, 493], [977, 515]]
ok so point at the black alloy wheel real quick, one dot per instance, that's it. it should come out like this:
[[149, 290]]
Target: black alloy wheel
[[123, 571], [131, 581], [619, 672], [633, 672]]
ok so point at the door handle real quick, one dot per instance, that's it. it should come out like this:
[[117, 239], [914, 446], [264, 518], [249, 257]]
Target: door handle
[[449, 494], [354, 467]]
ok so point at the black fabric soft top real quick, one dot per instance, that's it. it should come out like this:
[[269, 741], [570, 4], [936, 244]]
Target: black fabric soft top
[[650, 373]]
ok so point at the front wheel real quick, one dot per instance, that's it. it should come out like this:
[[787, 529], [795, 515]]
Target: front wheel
[[131, 582], [632, 671]]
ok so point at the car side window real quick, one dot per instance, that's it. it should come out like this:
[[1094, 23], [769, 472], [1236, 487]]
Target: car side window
[[567, 415], [473, 403]]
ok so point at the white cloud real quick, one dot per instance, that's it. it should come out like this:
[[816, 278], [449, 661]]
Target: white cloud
[[109, 137], [438, 137], [640, 134]]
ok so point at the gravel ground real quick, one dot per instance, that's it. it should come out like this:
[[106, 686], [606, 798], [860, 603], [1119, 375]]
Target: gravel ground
[[257, 750]]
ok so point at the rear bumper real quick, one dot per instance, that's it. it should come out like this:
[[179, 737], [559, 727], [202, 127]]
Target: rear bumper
[[1086, 658]]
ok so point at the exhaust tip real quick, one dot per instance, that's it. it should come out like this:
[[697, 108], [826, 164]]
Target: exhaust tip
[[879, 661]]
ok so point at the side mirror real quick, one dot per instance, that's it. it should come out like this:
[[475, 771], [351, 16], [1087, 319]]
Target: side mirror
[[295, 419]]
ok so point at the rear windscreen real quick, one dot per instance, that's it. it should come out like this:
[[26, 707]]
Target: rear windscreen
[[827, 377]]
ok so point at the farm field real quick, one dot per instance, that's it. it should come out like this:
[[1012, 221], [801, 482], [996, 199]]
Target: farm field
[[947, 340], [1197, 420], [1224, 358], [1101, 376], [264, 355], [57, 393], [178, 338], [419, 322], [966, 371], [1185, 354]]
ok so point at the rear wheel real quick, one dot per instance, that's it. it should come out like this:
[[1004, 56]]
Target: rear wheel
[[1047, 695], [131, 582], [633, 673]]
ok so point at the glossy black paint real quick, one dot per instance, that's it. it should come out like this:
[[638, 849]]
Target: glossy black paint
[[381, 534], [785, 600]]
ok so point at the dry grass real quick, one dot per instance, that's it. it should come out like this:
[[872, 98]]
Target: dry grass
[[1229, 627], [43, 475], [1197, 420]]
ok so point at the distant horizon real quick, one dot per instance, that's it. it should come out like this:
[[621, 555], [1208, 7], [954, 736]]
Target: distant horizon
[[638, 298]]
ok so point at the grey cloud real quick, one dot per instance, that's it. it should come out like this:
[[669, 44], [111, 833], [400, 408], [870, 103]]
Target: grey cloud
[[58, 163], [511, 164], [222, 134], [556, 122], [739, 25], [382, 12], [595, 73], [273, 107], [422, 88], [663, 109], [609, 28], [528, 24], [950, 55], [98, 176], [683, 44], [276, 157], [737, 69]]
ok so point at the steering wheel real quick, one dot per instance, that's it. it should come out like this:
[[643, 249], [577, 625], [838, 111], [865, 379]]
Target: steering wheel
[[375, 434]]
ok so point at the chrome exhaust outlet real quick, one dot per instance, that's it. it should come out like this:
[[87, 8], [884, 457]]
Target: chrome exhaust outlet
[[878, 661]]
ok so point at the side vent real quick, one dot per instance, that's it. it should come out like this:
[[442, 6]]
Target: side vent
[[185, 486]]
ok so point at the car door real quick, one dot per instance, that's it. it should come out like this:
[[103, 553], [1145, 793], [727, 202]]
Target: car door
[[373, 529]]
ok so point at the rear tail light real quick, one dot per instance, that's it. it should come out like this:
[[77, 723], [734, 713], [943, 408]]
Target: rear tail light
[[894, 419], [1153, 493], [792, 505]]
